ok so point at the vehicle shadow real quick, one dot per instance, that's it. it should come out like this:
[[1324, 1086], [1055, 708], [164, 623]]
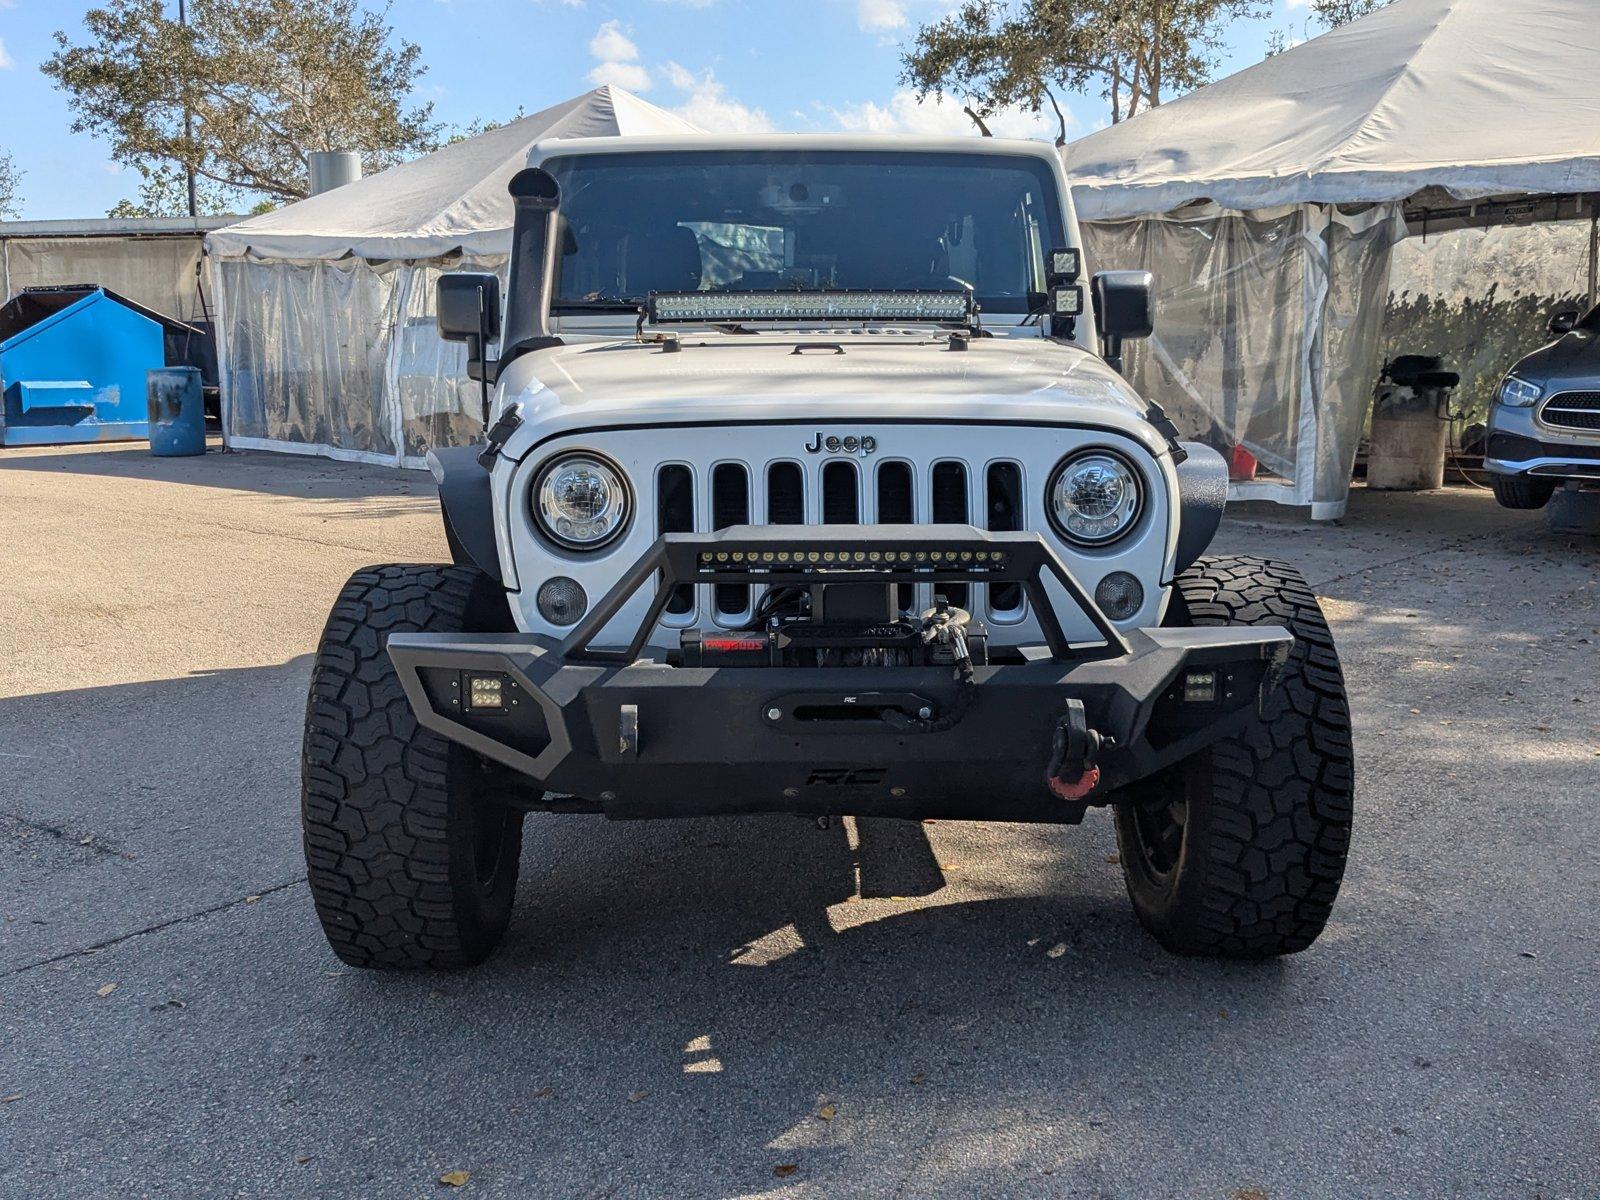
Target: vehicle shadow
[[698, 991]]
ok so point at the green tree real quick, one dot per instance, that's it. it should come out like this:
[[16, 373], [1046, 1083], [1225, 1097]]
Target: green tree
[[996, 54], [242, 94], [1333, 13], [10, 181]]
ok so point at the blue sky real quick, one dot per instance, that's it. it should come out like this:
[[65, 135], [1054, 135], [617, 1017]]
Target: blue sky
[[728, 64]]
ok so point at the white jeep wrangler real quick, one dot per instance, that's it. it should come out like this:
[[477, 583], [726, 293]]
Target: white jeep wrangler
[[810, 485]]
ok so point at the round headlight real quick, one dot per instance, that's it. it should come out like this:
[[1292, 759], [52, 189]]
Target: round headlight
[[581, 501], [1095, 498]]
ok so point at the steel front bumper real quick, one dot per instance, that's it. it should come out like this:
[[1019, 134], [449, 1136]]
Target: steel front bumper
[[637, 737]]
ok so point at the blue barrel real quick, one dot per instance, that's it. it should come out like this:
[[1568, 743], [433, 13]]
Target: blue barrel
[[177, 412]]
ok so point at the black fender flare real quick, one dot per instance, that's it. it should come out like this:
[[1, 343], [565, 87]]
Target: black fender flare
[[466, 502], [1202, 495]]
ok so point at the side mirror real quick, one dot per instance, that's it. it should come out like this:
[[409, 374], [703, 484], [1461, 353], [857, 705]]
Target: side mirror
[[1122, 310], [1564, 322], [467, 306], [1122, 304]]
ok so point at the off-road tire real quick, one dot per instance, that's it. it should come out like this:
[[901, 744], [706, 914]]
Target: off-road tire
[[410, 861], [1522, 491], [1238, 851]]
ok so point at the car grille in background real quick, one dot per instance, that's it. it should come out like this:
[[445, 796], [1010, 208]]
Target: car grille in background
[[1572, 410], [890, 496]]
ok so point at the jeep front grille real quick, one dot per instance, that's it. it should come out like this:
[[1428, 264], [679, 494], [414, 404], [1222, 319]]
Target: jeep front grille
[[843, 492], [1572, 410]]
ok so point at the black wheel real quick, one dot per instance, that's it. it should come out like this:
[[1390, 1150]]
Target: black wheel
[[1522, 491], [1239, 850], [410, 860]]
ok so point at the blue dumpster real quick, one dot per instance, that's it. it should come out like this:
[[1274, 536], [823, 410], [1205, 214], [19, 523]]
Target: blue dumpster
[[177, 412], [73, 362]]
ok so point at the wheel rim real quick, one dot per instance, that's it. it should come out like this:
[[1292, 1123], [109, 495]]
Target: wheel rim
[[1158, 834]]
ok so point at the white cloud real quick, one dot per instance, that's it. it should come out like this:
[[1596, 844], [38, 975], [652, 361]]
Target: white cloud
[[619, 60], [679, 77], [6, 62], [880, 16], [707, 103], [610, 44], [939, 116], [627, 75]]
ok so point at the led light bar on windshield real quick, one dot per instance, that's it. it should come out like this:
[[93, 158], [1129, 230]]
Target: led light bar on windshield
[[727, 308]]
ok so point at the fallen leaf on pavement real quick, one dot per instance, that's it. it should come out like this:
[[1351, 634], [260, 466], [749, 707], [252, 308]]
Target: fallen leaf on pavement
[[635, 1097], [1056, 951], [12, 1098], [105, 989], [827, 1112], [919, 1079], [1113, 858], [784, 1170], [251, 899], [455, 1178], [543, 1092]]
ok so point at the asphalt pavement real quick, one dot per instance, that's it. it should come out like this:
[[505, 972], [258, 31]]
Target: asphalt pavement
[[758, 1007]]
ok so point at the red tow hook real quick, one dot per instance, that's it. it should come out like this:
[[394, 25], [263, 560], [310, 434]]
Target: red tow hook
[[1072, 774]]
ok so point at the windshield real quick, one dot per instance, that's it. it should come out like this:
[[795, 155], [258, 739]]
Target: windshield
[[741, 220]]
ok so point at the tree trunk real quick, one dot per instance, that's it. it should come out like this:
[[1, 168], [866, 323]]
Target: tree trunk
[[1155, 56]]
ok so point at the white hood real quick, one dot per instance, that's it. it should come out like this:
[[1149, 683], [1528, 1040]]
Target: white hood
[[734, 379]]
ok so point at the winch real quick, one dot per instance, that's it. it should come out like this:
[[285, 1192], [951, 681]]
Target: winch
[[843, 625]]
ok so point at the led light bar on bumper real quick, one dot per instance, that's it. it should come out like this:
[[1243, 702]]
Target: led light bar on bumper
[[768, 560], [721, 308]]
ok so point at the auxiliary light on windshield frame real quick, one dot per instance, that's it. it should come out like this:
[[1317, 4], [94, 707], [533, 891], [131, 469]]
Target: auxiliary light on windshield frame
[[856, 305]]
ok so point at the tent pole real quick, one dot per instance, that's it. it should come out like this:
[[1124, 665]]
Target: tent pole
[[1594, 251]]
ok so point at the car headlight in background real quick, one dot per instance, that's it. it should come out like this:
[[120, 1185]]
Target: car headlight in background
[[1519, 393], [1095, 497], [581, 501]]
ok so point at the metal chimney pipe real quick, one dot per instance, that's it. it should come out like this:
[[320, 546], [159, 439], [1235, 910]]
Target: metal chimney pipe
[[332, 168], [536, 197]]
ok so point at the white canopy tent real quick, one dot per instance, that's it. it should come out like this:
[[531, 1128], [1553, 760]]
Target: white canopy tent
[[325, 308], [1267, 203]]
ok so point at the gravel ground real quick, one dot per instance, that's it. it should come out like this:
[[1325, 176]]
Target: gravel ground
[[759, 1007]]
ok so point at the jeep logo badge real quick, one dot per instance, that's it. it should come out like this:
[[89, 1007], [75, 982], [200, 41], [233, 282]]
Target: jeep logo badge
[[849, 444]]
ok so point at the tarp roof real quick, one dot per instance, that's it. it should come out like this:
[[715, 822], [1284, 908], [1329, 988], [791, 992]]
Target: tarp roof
[[1475, 97], [452, 199]]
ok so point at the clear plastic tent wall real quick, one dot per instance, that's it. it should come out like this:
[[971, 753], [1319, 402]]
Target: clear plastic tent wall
[[326, 339], [341, 357], [1267, 332]]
